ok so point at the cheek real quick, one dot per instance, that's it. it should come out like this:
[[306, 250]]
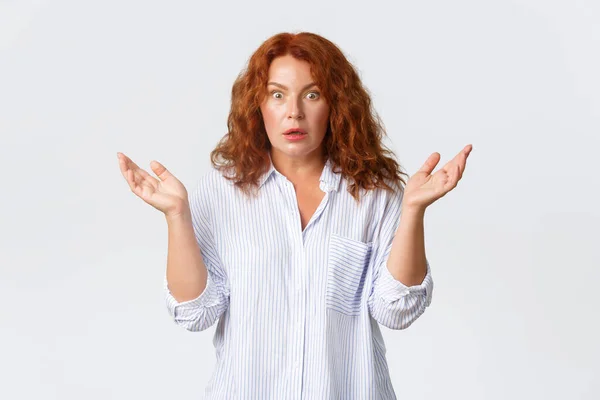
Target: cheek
[[323, 116], [270, 115]]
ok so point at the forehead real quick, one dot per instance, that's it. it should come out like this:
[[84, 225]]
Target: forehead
[[289, 70]]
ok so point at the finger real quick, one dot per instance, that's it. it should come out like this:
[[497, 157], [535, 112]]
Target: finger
[[465, 154], [126, 170], [126, 164], [456, 175], [447, 178], [444, 179], [160, 170], [145, 176], [130, 178], [130, 164], [122, 164], [430, 163], [459, 165], [462, 155], [139, 176], [459, 160], [138, 185]]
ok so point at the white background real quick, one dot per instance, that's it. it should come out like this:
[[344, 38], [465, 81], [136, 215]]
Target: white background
[[514, 248]]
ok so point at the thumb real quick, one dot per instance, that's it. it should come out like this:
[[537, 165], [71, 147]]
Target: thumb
[[160, 170], [430, 163]]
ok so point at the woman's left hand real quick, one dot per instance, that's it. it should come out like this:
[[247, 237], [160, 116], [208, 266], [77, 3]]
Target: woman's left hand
[[424, 188]]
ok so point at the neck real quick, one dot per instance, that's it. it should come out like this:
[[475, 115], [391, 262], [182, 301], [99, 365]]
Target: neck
[[299, 169]]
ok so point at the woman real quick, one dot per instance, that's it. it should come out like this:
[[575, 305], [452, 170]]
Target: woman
[[294, 241]]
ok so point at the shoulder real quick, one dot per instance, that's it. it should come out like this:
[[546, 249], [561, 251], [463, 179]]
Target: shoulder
[[212, 180], [386, 200], [382, 195], [206, 190]]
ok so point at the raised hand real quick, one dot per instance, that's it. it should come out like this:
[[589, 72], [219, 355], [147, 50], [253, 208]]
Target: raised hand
[[166, 194], [424, 188]]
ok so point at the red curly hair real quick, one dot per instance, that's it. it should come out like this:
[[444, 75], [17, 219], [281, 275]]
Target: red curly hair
[[353, 141]]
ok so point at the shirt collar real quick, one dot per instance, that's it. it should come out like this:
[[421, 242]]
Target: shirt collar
[[329, 180]]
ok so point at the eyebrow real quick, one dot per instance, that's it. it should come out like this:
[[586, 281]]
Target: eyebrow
[[285, 87]]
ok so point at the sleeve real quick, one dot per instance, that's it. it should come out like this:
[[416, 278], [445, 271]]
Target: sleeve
[[391, 303], [200, 313]]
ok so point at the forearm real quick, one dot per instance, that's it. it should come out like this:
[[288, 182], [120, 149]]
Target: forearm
[[407, 262], [186, 272]]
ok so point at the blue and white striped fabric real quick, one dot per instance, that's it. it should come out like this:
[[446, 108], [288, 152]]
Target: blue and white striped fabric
[[298, 311]]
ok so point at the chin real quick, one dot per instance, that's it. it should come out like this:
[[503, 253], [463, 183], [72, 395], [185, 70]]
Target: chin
[[297, 151]]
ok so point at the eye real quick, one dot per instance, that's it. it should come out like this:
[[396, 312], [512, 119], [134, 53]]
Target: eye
[[314, 94], [274, 93]]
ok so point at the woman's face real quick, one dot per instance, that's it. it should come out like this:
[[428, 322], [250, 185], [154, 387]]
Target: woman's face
[[294, 101]]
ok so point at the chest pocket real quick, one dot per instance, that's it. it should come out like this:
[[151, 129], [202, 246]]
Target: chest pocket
[[347, 267]]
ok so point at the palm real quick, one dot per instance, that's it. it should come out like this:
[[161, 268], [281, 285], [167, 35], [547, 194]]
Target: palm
[[423, 188], [166, 194]]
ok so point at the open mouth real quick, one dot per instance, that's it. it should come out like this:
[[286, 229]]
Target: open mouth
[[294, 132], [295, 135]]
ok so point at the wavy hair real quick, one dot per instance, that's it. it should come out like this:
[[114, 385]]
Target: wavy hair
[[353, 141]]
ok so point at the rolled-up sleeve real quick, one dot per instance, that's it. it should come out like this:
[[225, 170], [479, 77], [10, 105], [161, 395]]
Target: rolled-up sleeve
[[200, 313], [391, 303]]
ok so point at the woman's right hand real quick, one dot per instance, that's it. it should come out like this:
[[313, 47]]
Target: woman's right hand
[[166, 194]]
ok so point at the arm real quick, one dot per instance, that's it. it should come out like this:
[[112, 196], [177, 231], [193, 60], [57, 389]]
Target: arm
[[196, 286], [392, 303], [186, 272], [200, 290], [402, 283], [407, 262]]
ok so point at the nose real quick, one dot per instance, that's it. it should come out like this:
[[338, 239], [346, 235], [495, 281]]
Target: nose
[[294, 110]]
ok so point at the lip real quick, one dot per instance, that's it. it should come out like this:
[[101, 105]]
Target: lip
[[294, 138], [295, 130]]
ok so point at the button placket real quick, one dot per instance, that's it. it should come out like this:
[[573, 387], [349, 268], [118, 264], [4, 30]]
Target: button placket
[[304, 306], [295, 228]]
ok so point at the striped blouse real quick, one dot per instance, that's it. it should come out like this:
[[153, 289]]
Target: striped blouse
[[298, 311]]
